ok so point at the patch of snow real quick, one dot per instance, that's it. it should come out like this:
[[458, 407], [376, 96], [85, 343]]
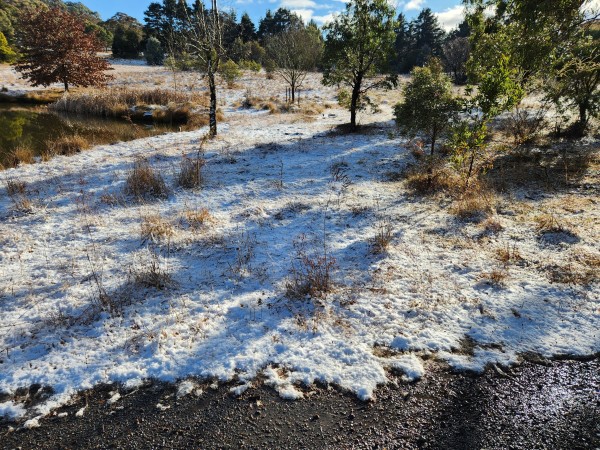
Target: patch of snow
[[32, 423], [12, 410], [225, 315], [114, 398]]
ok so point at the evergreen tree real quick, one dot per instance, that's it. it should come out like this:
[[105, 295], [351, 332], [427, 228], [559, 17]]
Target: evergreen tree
[[358, 47], [154, 53], [247, 29], [126, 42], [429, 34]]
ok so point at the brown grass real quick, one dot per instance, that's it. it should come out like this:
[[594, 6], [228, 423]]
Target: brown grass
[[383, 238], [197, 218], [548, 223], [66, 145], [190, 172], [120, 102], [154, 228], [473, 205], [144, 183], [496, 277], [22, 155]]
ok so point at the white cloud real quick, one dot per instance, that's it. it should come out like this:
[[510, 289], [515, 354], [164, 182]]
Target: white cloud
[[450, 18], [324, 19], [298, 4], [414, 5], [306, 14]]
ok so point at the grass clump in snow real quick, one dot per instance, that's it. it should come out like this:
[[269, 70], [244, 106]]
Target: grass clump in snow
[[196, 219], [190, 172], [154, 229], [311, 272], [548, 223], [152, 273], [383, 238], [431, 175], [143, 183]]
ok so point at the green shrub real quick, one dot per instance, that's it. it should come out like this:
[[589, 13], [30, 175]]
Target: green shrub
[[155, 56], [230, 72], [250, 65]]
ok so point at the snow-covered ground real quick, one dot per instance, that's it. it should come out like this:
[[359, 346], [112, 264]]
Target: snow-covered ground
[[273, 183]]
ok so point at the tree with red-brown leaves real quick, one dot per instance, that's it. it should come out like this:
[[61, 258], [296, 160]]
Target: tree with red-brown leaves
[[55, 48]]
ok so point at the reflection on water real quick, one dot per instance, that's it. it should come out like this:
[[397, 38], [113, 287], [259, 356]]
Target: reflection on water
[[36, 127]]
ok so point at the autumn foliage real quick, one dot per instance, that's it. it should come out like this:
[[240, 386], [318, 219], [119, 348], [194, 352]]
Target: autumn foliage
[[55, 48]]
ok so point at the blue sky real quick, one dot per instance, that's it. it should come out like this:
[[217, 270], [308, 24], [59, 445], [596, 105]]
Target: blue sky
[[449, 11]]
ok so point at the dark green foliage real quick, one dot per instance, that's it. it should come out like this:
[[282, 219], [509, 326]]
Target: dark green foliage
[[273, 24], [417, 41], [155, 55], [429, 106], [247, 30], [126, 42], [358, 47]]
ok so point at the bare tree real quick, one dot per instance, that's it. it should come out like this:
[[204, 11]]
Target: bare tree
[[295, 52], [205, 42], [456, 54]]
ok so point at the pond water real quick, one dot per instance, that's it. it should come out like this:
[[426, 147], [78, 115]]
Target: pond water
[[35, 127]]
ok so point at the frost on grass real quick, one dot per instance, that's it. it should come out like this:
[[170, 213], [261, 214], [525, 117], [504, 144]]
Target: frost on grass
[[202, 273]]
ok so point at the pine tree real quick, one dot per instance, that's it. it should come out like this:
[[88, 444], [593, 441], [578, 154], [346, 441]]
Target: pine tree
[[247, 29]]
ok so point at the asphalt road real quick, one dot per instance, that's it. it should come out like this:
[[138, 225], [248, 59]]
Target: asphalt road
[[554, 405]]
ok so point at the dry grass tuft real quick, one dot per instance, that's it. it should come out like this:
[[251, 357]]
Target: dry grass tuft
[[197, 219], [311, 272], [508, 254], [473, 206], [155, 229], [67, 145], [190, 172], [22, 155], [144, 183], [548, 223], [496, 277], [383, 238], [492, 226]]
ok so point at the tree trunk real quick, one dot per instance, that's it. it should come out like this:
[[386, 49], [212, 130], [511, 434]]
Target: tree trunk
[[293, 93], [354, 104], [66, 83], [212, 113], [583, 116], [433, 139]]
